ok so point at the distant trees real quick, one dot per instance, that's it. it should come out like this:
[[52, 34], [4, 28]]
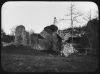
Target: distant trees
[[92, 33], [2, 33], [13, 31], [6, 38], [76, 30], [92, 29]]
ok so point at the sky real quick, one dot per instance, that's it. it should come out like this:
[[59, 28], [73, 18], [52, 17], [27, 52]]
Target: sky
[[36, 15]]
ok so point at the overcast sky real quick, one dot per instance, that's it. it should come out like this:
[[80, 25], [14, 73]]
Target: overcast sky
[[36, 15]]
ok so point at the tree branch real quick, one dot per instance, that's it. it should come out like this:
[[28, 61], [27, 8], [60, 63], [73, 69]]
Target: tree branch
[[77, 21], [77, 16], [63, 19]]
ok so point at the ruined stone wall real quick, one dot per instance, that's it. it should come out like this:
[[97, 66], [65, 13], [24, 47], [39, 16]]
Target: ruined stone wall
[[33, 41], [46, 35], [21, 36], [50, 33]]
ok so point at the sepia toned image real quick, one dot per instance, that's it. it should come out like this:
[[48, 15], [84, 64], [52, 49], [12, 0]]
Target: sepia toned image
[[49, 36]]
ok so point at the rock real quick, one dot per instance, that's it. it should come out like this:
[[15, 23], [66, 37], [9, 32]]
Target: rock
[[67, 50]]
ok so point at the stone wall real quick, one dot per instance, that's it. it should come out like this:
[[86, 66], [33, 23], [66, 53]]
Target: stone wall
[[50, 33], [21, 36], [47, 39]]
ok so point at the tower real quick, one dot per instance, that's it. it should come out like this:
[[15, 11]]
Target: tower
[[55, 20]]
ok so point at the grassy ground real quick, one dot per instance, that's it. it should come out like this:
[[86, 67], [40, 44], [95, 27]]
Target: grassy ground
[[28, 60]]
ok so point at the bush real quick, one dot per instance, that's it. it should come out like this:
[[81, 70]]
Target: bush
[[7, 38]]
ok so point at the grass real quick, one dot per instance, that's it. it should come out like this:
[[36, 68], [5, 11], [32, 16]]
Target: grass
[[25, 59]]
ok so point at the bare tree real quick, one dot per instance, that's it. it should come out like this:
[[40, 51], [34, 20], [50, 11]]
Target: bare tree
[[88, 16], [97, 14], [74, 14], [13, 31], [31, 31]]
